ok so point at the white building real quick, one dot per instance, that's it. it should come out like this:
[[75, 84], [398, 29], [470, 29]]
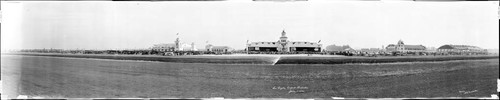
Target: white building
[[164, 47], [461, 49], [284, 45], [401, 47], [210, 47], [176, 46]]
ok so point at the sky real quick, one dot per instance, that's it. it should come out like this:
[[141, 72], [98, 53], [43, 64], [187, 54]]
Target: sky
[[139, 25]]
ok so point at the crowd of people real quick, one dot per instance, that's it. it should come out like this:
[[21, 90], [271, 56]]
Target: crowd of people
[[397, 53], [180, 53], [122, 52]]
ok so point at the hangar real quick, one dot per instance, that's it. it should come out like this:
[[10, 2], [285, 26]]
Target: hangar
[[461, 49]]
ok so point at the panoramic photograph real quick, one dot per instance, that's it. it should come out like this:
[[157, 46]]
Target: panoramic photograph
[[233, 50]]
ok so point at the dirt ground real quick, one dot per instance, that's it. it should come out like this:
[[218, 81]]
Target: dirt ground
[[62, 77]]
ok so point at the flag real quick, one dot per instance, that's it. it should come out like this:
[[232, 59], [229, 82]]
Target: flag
[[247, 41], [177, 33], [319, 41]]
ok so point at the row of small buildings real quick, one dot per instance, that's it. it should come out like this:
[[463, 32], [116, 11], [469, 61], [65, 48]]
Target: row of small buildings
[[285, 45], [400, 47], [181, 46]]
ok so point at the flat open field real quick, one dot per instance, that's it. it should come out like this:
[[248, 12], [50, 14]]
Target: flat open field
[[178, 59], [65, 77], [269, 59], [382, 59]]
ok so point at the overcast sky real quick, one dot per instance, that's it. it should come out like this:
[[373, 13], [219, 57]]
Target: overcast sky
[[129, 25]]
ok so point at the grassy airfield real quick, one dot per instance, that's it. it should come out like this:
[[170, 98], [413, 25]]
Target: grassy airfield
[[268, 59], [63, 76]]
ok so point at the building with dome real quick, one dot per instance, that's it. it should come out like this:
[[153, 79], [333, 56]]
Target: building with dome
[[284, 45], [401, 47]]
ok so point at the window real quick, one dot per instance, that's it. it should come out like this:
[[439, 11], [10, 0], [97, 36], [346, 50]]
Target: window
[[274, 43]]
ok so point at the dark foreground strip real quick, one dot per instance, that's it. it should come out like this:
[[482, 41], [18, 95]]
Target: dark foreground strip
[[269, 60], [331, 60], [216, 60]]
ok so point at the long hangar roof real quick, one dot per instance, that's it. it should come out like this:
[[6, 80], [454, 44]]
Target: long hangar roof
[[449, 46]]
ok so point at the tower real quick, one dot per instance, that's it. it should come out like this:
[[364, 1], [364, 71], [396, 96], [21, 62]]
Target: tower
[[400, 46], [177, 44], [400, 42], [283, 33], [208, 47], [283, 41], [283, 37], [193, 48]]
